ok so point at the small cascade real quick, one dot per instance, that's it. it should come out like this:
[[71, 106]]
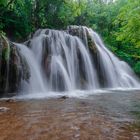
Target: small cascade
[[36, 83], [116, 72], [75, 59]]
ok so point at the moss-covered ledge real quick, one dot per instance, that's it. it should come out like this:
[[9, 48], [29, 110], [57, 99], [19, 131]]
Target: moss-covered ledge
[[12, 67]]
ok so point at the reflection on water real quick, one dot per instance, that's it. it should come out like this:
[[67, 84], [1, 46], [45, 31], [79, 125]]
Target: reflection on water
[[96, 117]]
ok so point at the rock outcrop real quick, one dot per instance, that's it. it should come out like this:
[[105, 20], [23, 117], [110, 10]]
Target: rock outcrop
[[12, 68]]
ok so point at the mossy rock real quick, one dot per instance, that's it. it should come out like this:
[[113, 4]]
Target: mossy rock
[[91, 44], [5, 47], [13, 68]]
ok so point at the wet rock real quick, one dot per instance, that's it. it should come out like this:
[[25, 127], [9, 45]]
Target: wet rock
[[136, 138], [83, 33], [4, 109], [64, 97], [13, 68], [10, 100]]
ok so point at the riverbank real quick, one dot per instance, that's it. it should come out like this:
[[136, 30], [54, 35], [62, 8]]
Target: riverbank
[[97, 117]]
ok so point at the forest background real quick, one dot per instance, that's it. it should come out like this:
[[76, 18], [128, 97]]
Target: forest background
[[117, 22]]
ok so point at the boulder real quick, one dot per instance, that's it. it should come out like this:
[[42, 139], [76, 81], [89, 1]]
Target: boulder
[[12, 68]]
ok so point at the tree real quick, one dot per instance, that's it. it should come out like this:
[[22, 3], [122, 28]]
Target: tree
[[129, 21]]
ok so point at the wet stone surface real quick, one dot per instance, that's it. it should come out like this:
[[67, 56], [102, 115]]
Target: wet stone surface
[[98, 117]]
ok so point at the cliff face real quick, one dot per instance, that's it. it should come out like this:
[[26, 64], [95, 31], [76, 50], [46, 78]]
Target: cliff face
[[12, 68]]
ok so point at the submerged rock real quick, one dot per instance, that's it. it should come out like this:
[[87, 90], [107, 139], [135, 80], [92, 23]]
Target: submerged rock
[[4, 109], [10, 100], [64, 97]]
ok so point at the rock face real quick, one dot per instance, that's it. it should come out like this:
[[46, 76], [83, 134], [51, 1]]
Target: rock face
[[12, 68], [83, 33]]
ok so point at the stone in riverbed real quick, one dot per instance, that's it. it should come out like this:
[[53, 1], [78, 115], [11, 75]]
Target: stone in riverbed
[[63, 97], [4, 109], [10, 100]]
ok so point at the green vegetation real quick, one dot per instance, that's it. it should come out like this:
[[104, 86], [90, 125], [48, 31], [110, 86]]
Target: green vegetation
[[117, 22]]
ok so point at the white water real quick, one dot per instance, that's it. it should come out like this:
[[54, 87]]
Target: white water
[[36, 83], [59, 61], [117, 73]]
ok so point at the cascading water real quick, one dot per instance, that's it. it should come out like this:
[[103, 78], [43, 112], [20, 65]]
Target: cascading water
[[117, 73], [62, 61], [36, 83]]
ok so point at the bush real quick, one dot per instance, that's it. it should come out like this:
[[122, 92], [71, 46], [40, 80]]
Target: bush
[[137, 68]]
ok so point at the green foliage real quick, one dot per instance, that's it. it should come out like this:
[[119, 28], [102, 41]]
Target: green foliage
[[5, 54], [127, 32], [3, 2], [137, 67], [68, 12], [15, 18], [129, 19], [118, 22], [6, 48], [2, 33]]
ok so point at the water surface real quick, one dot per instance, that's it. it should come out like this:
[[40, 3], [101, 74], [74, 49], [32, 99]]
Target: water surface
[[110, 116]]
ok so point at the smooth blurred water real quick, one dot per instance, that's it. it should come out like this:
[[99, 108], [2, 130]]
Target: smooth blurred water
[[62, 64]]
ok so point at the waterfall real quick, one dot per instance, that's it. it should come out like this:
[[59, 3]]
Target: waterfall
[[75, 59], [117, 73], [36, 83]]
